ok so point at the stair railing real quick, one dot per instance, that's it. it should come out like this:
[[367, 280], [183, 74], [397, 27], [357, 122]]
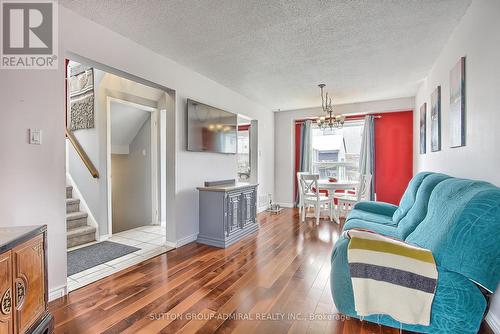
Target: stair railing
[[83, 155]]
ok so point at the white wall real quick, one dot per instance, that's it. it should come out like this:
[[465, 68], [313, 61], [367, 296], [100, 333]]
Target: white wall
[[478, 38], [33, 177], [284, 139]]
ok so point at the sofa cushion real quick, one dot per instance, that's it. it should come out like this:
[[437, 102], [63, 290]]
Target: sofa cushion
[[369, 221], [386, 213], [384, 229], [370, 216], [381, 208], [418, 211], [461, 229], [409, 196]]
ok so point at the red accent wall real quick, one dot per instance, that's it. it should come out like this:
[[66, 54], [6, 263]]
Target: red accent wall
[[393, 155]]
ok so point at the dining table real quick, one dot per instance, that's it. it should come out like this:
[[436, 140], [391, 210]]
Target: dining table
[[331, 187]]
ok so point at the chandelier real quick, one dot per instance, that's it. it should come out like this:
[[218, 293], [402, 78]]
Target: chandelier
[[331, 121]]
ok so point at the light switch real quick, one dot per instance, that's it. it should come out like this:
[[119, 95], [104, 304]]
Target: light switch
[[35, 136]]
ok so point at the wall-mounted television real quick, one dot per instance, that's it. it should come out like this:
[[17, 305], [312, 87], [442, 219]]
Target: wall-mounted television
[[210, 129]]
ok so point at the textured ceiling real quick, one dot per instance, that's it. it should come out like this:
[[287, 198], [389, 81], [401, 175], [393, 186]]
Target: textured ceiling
[[276, 52]]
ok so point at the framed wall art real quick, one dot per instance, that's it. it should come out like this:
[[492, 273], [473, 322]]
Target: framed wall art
[[436, 120], [457, 104], [423, 128]]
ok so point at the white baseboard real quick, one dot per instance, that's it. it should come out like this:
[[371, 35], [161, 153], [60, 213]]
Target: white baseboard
[[261, 209], [171, 244], [283, 205], [494, 322], [103, 237], [286, 205], [186, 240], [58, 292]]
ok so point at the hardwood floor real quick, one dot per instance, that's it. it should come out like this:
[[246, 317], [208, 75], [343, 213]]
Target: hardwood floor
[[282, 270]]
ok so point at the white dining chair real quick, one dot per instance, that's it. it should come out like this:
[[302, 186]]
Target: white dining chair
[[299, 190], [346, 201], [312, 197], [300, 193]]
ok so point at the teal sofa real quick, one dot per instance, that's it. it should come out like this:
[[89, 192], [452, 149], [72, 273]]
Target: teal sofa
[[459, 221]]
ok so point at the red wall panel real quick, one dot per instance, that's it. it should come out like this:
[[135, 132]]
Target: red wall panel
[[393, 155]]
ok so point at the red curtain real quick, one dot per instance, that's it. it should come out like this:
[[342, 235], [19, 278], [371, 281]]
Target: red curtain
[[393, 155]]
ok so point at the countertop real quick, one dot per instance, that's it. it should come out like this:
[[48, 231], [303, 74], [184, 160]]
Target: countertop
[[12, 236], [228, 187]]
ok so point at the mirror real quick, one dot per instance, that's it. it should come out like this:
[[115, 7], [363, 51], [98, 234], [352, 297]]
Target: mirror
[[244, 150]]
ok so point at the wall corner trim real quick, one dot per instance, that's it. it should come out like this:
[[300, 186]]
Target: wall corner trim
[[494, 322], [58, 292], [171, 244], [186, 240]]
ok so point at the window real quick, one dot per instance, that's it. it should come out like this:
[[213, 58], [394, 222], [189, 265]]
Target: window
[[335, 152]]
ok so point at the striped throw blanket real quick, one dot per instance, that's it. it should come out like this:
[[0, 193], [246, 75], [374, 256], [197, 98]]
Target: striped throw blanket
[[391, 277]]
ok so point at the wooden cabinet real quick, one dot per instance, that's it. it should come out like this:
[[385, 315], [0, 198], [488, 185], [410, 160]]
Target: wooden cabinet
[[23, 284], [6, 319], [227, 213], [28, 263]]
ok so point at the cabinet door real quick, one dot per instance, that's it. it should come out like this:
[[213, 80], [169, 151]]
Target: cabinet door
[[29, 279], [6, 301], [248, 209], [232, 213]]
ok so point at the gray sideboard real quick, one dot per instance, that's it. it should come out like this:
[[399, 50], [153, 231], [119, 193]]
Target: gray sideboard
[[227, 213]]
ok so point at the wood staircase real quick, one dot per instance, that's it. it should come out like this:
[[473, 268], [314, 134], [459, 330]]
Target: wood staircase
[[78, 231]]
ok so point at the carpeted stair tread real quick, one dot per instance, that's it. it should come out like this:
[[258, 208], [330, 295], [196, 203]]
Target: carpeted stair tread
[[80, 235], [76, 215], [80, 231], [77, 231], [72, 205], [72, 200], [69, 191]]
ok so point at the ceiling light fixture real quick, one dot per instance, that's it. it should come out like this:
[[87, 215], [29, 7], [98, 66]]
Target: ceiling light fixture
[[331, 120]]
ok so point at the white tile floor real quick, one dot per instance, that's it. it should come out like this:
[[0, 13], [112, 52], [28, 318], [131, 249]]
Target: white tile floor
[[151, 241]]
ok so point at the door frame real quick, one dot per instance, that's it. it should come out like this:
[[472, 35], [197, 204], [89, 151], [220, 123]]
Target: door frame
[[154, 114]]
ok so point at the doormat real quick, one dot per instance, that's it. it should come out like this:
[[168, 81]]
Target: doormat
[[90, 256]]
